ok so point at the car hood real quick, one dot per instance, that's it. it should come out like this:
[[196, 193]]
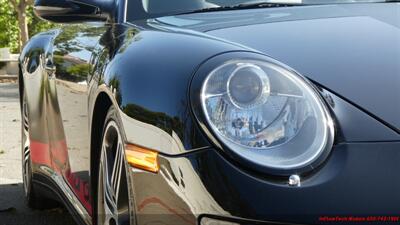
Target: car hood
[[353, 50]]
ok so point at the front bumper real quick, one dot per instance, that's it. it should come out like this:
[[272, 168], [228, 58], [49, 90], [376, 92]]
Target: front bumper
[[359, 181]]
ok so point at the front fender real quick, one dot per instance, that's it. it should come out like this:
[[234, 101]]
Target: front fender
[[149, 76]]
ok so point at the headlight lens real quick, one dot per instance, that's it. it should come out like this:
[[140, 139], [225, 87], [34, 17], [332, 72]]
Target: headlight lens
[[266, 114]]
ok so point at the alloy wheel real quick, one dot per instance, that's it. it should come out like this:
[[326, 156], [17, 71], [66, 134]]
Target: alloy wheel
[[113, 194], [26, 160]]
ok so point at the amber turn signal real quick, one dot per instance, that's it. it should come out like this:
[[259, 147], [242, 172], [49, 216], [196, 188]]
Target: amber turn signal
[[142, 158]]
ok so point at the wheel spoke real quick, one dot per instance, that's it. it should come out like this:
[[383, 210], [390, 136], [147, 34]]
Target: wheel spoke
[[117, 170], [27, 152], [25, 117], [108, 191]]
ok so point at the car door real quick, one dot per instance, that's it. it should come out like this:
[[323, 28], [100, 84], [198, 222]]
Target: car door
[[68, 117]]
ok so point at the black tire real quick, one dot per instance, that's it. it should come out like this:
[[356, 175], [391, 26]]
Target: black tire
[[113, 206], [34, 199]]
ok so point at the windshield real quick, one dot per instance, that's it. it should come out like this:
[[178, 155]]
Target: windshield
[[155, 8]]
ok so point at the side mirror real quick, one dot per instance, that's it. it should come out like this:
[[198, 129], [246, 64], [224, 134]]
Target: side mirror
[[67, 11]]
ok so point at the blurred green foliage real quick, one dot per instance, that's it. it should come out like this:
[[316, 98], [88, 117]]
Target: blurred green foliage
[[9, 31], [79, 70]]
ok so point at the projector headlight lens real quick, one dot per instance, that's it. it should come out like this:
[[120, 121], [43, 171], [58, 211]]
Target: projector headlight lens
[[247, 86], [266, 114]]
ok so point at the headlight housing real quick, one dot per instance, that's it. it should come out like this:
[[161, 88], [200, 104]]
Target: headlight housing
[[267, 114]]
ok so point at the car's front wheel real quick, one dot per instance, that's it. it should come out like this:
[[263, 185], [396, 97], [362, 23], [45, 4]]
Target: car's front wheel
[[113, 195]]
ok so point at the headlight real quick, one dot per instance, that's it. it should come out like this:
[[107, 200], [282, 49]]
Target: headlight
[[267, 114]]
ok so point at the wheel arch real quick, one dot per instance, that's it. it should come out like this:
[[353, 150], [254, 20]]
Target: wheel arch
[[102, 103]]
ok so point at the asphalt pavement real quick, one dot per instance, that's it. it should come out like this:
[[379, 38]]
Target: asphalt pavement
[[13, 210]]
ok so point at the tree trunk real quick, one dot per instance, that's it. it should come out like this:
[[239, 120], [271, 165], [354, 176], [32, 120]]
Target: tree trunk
[[23, 24]]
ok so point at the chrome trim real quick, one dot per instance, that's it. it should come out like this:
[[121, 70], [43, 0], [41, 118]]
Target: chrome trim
[[125, 11]]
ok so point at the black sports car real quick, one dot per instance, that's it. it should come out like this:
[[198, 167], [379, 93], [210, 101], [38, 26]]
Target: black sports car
[[214, 112]]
